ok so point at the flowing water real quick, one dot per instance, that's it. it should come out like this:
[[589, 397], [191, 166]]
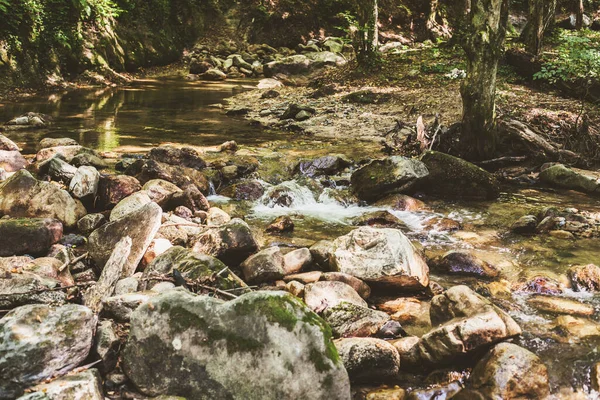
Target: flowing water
[[153, 112]]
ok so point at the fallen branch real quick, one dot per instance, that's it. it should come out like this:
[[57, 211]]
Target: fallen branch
[[74, 261]]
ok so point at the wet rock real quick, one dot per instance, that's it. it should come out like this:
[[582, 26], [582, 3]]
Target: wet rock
[[90, 160], [213, 75], [389, 175], [24, 196], [400, 202], [247, 343], [291, 65], [571, 178], [85, 183], [442, 224], [270, 94], [541, 285], [462, 262], [350, 320], [106, 345], [451, 177], [321, 253], [231, 242], [361, 288], [7, 145], [410, 312], [114, 188], [296, 260], [56, 142], [30, 120], [584, 277], [264, 266], [83, 385], [12, 161], [380, 219], [160, 191], [527, 224], [281, 224], [387, 394], [217, 217], [120, 307], [436, 392], [86, 225], [380, 256], [140, 225], [147, 170], [128, 205], [28, 235], [561, 234], [185, 157], [507, 372], [327, 165], [67, 153], [575, 329], [51, 340], [325, 294], [191, 266], [191, 197], [558, 305], [368, 359]]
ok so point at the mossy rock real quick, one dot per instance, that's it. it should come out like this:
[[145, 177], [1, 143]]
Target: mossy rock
[[454, 178], [260, 345], [572, 178], [367, 97]]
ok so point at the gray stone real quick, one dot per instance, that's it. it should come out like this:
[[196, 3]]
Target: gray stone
[[85, 385], [571, 178], [85, 182], [264, 266], [90, 223], [368, 359], [351, 320], [321, 295], [106, 345], [231, 243], [129, 204], [55, 142], [7, 145], [120, 307], [12, 160], [161, 191], [59, 170], [296, 260], [28, 235]]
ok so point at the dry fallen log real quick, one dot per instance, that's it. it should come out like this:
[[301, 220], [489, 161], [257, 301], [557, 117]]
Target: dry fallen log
[[519, 139]]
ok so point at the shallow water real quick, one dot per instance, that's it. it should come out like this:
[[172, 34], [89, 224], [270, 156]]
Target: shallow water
[[153, 112]]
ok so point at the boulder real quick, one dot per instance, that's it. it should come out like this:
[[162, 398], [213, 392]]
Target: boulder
[[380, 219], [213, 74], [559, 305], [184, 157], [321, 295], [231, 242], [389, 175], [83, 385], [90, 160], [59, 170], [400, 202], [24, 196], [12, 160], [361, 288], [324, 58], [260, 345], [291, 65], [264, 266], [86, 225], [217, 217], [120, 307], [106, 345], [129, 204], [191, 197], [192, 266], [30, 120], [55, 142], [114, 188], [160, 191], [85, 182], [7, 145], [147, 170], [17, 289], [247, 190], [67, 153], [461, 262], [50, 341], [296, 260], [584, 277], [507, 372], [352, 320], [454, 178], [380, 256], [28, 235], [140, 225], [281, 224], [527, 224], [368, 359]]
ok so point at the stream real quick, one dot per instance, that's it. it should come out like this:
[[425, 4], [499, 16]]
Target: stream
[[150, 113]]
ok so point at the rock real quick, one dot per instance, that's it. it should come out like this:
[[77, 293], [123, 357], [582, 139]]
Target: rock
[[140, 225], [120, 307], [7, 145], [291, 65], [380, 256], [321, 253], [508, 372], [217, 217], [446, 391], [351, 320], [191, 197], [24, 196], [228, 146], [86, 225], [199, 67], [294, 109], [271, 94], [50, 340], [67, 153], [12, 160], [454, 178], [157, 247], [304, 277], [575, 329], [30, 120], [400, 202], [333, 45], [185, 157], [410, 312], [191, 266], [389, 175], [59, 170], [231, 242], [558, 305], [128, 285], [106, 345], [229, 172], [541, 285], [296, 288], [269, 83], [264, 266], [322, 295], [160, 191], [17, 289], [367, 97], [323, 58], [213, 75], [114, 188], [28, 235], [584, 277], [595, 376], [327, 165], [147, 170], [281, 224], [361, 288], [90, 160], [83, 385], [46, 143], [85, 182], [247, 190], [380, 219], [247, 348], [395, 393], [128, 205], [571, 178], [296, 260], [527, 224], [462, 262], [368, 359]]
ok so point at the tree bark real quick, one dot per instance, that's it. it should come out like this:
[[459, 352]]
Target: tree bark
[[367, 42], [483, 45], [578, 14]]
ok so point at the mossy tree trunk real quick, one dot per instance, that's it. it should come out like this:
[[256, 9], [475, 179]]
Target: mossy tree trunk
[[541, 18], [367, 37], [483, 45]]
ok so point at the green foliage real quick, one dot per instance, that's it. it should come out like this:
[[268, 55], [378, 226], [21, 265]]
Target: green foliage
[[577, 59]]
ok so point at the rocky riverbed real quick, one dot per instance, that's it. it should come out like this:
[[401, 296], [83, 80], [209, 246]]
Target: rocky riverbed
[[290, 268]]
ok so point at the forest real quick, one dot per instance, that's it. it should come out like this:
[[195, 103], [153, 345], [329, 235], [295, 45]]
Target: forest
[[286, 199]]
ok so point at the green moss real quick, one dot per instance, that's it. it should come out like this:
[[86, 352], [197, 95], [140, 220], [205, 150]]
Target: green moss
[[282, 310]]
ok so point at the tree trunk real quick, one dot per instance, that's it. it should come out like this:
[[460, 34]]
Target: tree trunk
[[578, 14], [367, 42], [483, 47], [535, 33]]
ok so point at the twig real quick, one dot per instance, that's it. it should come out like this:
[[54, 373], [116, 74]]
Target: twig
[[72, 262]]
